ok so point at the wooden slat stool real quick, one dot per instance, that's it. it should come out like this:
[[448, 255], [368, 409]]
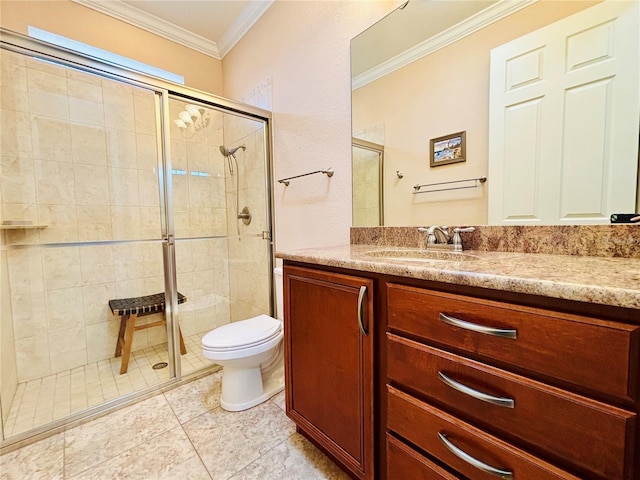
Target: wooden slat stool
[[129, 309]]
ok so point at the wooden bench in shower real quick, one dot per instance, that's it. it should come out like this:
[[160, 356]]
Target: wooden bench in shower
[[129, 309]]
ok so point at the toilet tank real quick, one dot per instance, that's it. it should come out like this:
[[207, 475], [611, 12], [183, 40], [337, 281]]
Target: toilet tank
[[277, 283]]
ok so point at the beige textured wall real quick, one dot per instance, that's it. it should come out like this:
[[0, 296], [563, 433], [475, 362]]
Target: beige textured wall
[[303, 47], [83, 24], [443, 93]]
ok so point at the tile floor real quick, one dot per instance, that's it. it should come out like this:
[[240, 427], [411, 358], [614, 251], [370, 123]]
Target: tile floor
[[181, 434], [44, 400]]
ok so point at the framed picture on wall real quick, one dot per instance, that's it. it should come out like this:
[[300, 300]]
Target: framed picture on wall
[[448, 149]]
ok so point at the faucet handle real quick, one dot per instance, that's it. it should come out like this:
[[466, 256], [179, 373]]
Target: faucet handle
[[431, 238], [457, 239]]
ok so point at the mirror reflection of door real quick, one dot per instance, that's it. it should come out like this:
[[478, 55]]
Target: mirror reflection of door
[[367, 183]]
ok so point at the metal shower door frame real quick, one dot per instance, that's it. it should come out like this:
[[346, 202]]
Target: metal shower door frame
[[162, 89]]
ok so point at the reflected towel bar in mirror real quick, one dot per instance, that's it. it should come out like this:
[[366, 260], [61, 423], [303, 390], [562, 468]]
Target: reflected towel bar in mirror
[[477, 182], [328, 172]]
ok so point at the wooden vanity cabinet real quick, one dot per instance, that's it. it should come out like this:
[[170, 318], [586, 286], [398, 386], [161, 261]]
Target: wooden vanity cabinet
[[534, 392], [447, 374], [329, 363]]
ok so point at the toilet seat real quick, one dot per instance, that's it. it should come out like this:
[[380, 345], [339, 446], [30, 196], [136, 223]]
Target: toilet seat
[[242, 335]]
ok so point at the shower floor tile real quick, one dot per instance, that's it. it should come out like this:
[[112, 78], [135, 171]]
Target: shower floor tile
[[44, 400]]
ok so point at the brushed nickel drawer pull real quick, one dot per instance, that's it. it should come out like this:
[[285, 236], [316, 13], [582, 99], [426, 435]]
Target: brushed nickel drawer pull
[[461, 454], [363, 291], [474, 327], [499, 401]]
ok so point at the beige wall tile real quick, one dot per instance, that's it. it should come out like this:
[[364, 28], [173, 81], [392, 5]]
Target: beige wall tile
[[179, 153], [62, 267], [118, 110], [92, 185], [62, 223], [55, 183], [15, 94], [47, 81], [89, 144], [29, 314], [150, 222], [64, 308], [67, 348], [123, 187], [32, 358], [16, 138], [101, 339], [200, 192], [97, 265], [95, 299], [18, 180], [121, 148], [149, 188], [51, 139], [145, 114], [48, 104], [125, 223], [147, 152], [86, 111], [26, 271], [94, 222], [84, 88]]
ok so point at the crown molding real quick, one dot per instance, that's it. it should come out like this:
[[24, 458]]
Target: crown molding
[[238, 29], [153, 24], [472, 24]]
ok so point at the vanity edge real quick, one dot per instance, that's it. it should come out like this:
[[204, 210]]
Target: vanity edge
[[611, 281]]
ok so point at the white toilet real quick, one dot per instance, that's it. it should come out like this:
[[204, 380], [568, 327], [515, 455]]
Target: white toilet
[[252, 356]]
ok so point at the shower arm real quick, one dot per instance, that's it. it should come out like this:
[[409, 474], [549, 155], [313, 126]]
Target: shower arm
[[328, 172]]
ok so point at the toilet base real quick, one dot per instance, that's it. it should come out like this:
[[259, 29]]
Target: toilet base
[[247, 387]]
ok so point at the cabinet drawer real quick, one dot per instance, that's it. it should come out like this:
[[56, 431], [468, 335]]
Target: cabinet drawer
[[404, 462], [423, 425], [564, 426], [595, 354]]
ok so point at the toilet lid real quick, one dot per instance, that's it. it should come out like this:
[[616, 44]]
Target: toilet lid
[[243, 333]]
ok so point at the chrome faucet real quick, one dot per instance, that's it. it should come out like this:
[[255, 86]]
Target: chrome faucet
[[439, 237]]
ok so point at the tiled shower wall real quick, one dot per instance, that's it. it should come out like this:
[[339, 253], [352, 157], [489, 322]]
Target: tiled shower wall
[[366, 187], [249, 277], [79, 156]]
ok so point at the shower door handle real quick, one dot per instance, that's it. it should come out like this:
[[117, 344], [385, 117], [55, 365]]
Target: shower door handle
[[361, 294]]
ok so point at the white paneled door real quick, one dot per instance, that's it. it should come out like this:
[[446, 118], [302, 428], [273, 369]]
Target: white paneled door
[[564, 112]]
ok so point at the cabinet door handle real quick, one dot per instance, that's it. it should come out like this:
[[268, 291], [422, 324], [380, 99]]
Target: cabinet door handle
[[363, 291], [485, 397], [461, 454], [474, 327]]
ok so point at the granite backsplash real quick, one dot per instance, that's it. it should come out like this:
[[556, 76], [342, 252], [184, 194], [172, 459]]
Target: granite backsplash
[[582, 240]]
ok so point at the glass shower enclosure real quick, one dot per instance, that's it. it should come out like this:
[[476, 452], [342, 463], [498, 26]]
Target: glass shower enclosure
[[136, 217]]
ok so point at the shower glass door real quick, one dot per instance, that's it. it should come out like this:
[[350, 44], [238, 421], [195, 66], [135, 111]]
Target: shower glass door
[[118, 191], [82, 222], [223, 259]]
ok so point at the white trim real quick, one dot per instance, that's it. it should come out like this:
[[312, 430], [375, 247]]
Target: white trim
[[153, 24], [242, 24], [468, 26]]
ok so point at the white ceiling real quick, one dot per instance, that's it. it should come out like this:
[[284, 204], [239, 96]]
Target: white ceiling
[[211, 27]]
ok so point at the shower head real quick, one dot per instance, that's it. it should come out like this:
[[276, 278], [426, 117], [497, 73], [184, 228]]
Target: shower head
[[226, 151]]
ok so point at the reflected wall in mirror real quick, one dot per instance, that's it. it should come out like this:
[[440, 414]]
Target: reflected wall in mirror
[[413, 94]]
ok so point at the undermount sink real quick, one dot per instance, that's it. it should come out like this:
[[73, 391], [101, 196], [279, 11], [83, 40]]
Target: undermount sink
[[414, 255]]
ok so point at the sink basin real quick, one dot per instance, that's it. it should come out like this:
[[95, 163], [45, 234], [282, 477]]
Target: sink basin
[[415, 255]]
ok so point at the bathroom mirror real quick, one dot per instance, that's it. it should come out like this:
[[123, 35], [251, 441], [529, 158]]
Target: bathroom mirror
[[422, 72]]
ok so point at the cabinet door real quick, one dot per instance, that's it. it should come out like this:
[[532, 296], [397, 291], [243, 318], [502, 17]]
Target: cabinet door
[[329, 363]]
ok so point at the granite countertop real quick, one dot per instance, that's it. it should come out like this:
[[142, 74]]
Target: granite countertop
[[603, 280]]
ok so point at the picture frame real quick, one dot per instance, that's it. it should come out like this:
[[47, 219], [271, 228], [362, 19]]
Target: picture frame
[[448, 149]]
